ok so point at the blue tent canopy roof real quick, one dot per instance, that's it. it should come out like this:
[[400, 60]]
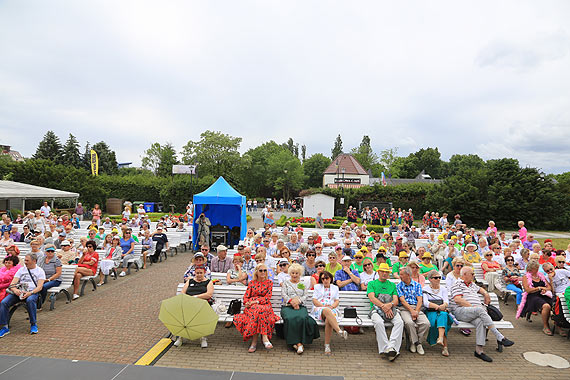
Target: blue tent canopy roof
[[220, 192]]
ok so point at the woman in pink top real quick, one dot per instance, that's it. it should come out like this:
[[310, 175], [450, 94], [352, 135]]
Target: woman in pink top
[[488, 265], [491, 228], [522, 231]]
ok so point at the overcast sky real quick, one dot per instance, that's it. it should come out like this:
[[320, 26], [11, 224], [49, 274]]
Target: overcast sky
[[484, 77]]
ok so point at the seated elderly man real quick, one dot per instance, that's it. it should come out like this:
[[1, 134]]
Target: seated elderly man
[[383, 300], [31, 279], [222, 263], [347, 279], [411, 301], [466, 306]]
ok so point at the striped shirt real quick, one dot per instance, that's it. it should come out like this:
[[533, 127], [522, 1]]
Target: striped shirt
[[468, 293]]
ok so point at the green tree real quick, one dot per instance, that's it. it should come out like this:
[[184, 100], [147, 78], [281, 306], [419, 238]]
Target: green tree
[[337, 148], [49, 148], [285, 173], [159, 159], [70, 153], [86, 157], [365, 155], [216, 154], [386, 159], [313, 168], [303, 152], [428, 159], [107, 158], [255, 170]]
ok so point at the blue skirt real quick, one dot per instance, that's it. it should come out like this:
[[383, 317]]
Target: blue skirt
[[437, 319]]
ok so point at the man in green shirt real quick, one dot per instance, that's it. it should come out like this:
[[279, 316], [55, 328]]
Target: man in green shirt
[[357, 264], [383, 299], [401, 263]]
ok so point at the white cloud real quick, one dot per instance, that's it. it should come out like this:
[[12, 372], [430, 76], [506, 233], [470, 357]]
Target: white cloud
[[456, 75]]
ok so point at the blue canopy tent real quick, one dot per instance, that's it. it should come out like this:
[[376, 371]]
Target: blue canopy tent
[[223, 205]]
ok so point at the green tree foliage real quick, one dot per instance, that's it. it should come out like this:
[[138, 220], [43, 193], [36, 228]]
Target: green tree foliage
[[256, 169], [424, 159], [107, 158], [49, 148], [70, 153], [386, 160], [86, 157], [216, 154], [337, 148], [313, 168], [303, 152], [285, 173], [159, 159], [365, 155]]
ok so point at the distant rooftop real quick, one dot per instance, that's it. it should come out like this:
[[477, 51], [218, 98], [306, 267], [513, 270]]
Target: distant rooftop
[[14, 155], [348, 163]]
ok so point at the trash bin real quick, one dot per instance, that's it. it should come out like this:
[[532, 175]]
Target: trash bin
[[149, 206], [114, 206]]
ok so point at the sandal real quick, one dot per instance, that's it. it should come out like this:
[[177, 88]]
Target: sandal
[[547, 331], [300, 349], [252, 349], [445, 351], [268, 345], [328, 349]]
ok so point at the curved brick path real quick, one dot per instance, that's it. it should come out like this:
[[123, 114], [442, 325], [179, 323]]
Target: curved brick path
[[117, 323]]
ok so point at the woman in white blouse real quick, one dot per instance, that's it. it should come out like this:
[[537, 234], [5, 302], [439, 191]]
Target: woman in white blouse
[[368, 274], [326, 298], [298, 327]]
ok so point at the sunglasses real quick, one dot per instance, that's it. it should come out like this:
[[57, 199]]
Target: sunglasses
[[262, 270], [204, 250], [283, 264], [436, 278], [367, 265], [549, 271], [459, 265], [487, 255], [509, 260], [258, 261], [311, 255], [320, 266]]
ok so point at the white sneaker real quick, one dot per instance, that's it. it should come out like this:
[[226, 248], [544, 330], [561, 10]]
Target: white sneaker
[[420, 349], [75, 296], [203, 342], [343, 334], [413, 348], [123, 274], [178, 341]]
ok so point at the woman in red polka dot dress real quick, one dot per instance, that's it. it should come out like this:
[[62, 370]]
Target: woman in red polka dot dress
[[258, 316]]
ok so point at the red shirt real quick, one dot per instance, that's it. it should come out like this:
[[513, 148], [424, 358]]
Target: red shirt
[[542, 260], [86, 258]]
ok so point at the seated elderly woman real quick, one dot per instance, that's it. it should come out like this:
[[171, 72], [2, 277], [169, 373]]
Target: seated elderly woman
[[426, 265], [7, 272], [320, 265], [258, 317], [491, 260], [369, 274], [200, 287], [326, 298], [236, 275], [298, 327], [198, 259], [471, 255], [86, 266], [511, 277], [111, 259], [52, 269], [537, 296], [436, 301]]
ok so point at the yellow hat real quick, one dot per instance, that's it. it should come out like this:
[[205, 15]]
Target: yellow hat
[[364, 250], [441, 237], [358, 254], [467, 236], [403, 254], [426, 254], [382, 249], [454, 237], [383, 267], [372, 233]]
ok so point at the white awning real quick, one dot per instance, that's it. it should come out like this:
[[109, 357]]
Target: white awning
[[9, 189]]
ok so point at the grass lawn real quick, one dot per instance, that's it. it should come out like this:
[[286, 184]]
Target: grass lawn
[[558, 243]]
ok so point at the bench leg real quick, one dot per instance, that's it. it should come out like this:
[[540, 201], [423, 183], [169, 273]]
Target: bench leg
[[12, 311], [67, 295], [92, 281], [82, 288], [128, 268], [52, 301], [506, 298], [136, 266], [105, 279]]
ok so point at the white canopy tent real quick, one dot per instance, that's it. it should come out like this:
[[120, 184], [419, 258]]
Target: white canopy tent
[[16, 193]]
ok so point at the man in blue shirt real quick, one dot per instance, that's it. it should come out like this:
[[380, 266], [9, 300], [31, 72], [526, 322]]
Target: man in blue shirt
[[411, 299], [345, 278]]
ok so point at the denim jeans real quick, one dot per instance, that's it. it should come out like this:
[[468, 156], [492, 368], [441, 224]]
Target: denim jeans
[[48, 285], [10, 300]]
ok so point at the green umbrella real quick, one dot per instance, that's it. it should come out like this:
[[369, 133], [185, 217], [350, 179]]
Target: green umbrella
[[188, 317]]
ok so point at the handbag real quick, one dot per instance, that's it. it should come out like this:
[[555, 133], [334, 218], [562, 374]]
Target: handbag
[[350, 312], [384, 298], [437, 300], [494, 313], [234, 307]]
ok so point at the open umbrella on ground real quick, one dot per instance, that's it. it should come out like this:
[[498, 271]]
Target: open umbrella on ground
[[188, 317]]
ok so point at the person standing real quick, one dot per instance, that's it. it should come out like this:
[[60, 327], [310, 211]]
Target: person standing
[[45, 210], [203, 230], [79, 211]]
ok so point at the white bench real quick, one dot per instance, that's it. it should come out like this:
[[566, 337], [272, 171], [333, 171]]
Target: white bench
[[67, 274], [565, 310], [357, 299]]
